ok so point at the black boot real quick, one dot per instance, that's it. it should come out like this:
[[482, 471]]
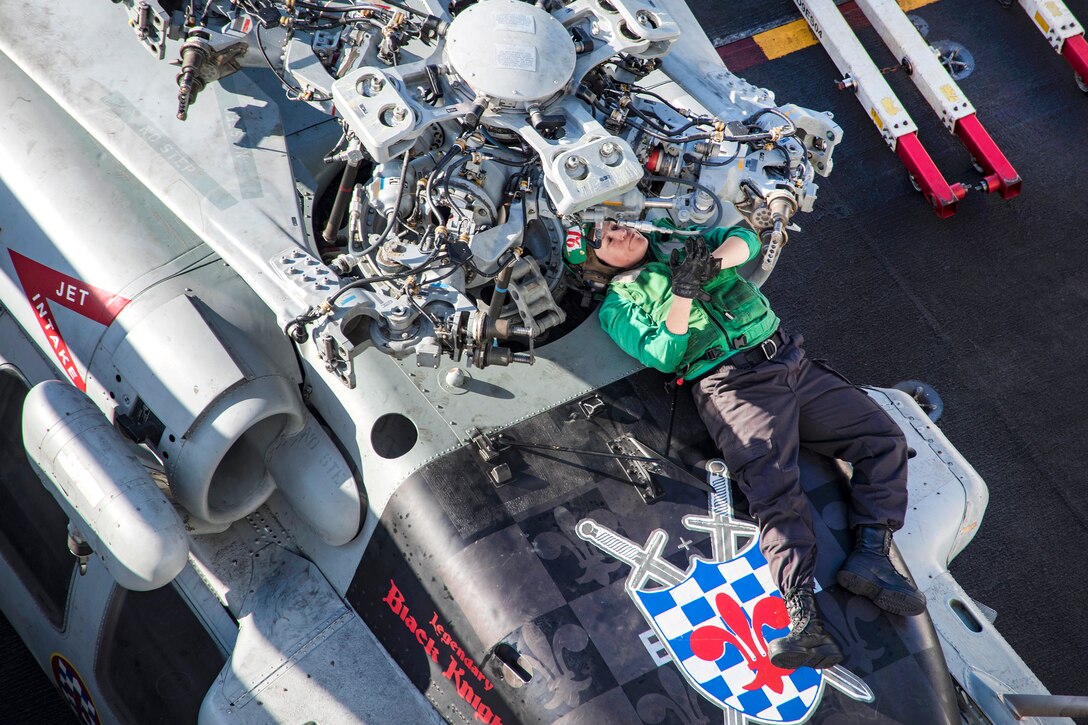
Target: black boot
[[869, 572], [807, 644]]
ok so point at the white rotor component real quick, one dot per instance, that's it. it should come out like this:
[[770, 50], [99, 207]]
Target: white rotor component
[[510, 51]]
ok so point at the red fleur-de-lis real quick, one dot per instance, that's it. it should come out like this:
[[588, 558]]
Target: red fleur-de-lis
[[708, 642]]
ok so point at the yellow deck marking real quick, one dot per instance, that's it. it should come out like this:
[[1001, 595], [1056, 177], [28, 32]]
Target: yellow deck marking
[[909, 5], [785, 39], [794, 36]]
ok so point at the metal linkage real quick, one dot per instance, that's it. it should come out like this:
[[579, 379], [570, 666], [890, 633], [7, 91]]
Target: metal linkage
[[1075, 50], [862, 76], [1064, 33], [942, 93], [1000, 176]]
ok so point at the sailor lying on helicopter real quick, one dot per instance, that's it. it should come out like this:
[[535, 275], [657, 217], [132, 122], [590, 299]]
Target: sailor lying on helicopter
[[761, 398]]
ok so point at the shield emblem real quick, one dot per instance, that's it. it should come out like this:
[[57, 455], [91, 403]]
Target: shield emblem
[[717, 618], [717, 623]]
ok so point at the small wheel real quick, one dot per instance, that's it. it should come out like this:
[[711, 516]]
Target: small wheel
[[914, 183], [955, 58], [926, 397], [977, 166], [1081, 83]]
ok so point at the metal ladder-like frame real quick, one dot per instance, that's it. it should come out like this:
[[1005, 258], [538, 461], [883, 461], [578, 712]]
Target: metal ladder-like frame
[[942, 93], [884, 108], [1064, 33]]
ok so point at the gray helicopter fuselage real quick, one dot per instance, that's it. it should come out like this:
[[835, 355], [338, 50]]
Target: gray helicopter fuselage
[[353, 556]]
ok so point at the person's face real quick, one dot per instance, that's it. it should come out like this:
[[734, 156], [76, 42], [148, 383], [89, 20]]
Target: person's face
[[621, 246]]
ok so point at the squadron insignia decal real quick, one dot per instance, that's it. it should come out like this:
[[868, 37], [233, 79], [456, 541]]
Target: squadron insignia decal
[[716, 619], [75, 692]]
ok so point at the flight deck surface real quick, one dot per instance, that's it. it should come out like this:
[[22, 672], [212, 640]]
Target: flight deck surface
[[987, 306]]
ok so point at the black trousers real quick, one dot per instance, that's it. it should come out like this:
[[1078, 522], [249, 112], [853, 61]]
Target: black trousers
[[760, 416]]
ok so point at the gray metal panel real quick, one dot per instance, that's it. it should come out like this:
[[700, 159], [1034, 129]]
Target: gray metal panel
[[100, 205], [303, 655], [191, 171], [947, 495], [148, 357], [978, 657]]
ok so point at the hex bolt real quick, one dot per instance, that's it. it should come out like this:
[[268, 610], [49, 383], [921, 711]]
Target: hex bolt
[[576, 167], [372, 85]]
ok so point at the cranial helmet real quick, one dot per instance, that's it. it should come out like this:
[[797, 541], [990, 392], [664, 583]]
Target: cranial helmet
[[580, 255]]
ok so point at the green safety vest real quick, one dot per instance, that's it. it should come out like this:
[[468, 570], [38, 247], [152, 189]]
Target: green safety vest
[[737, 316]]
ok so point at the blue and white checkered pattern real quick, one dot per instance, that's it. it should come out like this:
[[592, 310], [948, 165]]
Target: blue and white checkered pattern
[[677, 611], [74, 691]]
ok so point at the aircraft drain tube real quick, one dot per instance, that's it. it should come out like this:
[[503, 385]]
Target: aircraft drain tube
[[108, 495]]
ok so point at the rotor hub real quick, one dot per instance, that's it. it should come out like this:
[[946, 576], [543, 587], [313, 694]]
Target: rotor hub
[[511, 53]]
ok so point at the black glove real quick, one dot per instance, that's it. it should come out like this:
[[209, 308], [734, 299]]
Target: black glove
[[698, 268]]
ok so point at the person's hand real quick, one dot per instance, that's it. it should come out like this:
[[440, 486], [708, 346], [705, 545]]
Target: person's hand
[[697, 268]]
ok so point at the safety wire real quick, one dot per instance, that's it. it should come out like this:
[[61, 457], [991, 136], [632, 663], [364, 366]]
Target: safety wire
[[446, 166]]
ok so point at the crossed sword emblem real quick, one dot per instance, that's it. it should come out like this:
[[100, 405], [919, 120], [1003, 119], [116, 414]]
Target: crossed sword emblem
[[648, 562]]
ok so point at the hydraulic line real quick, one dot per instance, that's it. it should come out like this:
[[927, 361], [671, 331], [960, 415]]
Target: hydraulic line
[[498, 297], [391, 217]]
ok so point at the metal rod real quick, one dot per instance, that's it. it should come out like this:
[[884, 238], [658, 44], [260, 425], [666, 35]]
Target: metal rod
[[561, 449], [1023, 706], [343, 196]]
